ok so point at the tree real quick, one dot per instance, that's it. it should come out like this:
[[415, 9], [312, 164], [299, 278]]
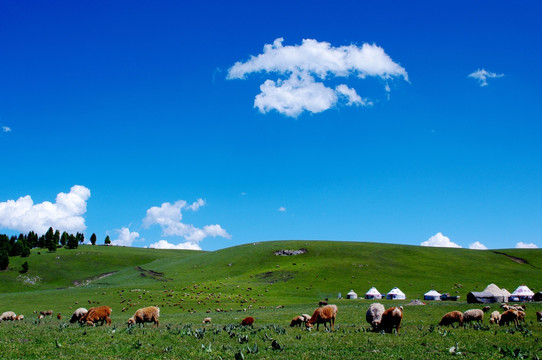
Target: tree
[[4, 259], [50, 240], [93, 239], [64, 239], [72, 242], [107, 240], [25, 267], [80, 237], [26, 251], [56, 237]]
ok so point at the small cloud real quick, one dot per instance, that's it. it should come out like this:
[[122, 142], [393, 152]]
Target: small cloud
[[522, 245], [6, 129], [164, 244], [477, 246], [126, 237], [439, 240], [282, 209], [482, 76]]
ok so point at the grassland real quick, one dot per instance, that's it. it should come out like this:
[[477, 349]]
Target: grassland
[[190, 285]]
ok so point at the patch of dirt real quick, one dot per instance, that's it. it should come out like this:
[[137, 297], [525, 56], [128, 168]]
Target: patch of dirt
[[94, 278], [290, 252], [155, 275], [514, 258], [272, 277]]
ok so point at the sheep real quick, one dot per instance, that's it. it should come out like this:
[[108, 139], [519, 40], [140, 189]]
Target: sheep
[[452, 317], [248, 321], [391, 319], [521, 316], [322, 303], [495, 317], [297, 321], [8, 316], [207, 320], [486, 309], [473, 315], [78, 314], [144, 315], [19, 317], [59, 316], [306, 317], [323, 315], [95, 314], [509, 316], [539, 316], [47, 313], [374, 315]]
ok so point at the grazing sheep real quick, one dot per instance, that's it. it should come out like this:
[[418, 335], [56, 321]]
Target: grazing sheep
[[95, 314], [297, 321], [207, 320], [323, 315], [374, 315], [495, 317], [509, 316], [322, 303], [391, 319], [47, 313], [452, 317], [19, 317], [539, 316], [78, 314], [8, 316], [248, 321], [306, 317], [145, 315], [473, 315], [521, 316], [59, 316], [486, 309]]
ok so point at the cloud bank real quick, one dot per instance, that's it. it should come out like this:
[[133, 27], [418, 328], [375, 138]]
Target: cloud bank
[[66, 214], [439, 240], [482, 75], [169, 217], [477, 246], [303, 68], [126, 237], [164, 244], [522, 245]]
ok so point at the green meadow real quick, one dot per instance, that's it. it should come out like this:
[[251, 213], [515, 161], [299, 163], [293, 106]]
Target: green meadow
[[250, 280]]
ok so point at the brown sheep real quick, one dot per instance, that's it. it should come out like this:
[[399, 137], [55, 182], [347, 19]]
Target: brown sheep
[[495, 317], [19, 317], [95, 314], [207, 320], [323, 315], [452, 317], [248, 321], [391, 319], [509, 316], [473, 315], [8, 316], [145, 315], [78, 314], [486, 309], [47, 313], [59, 316], [374, 315], [297, 321], [539, 316], [521, 316]]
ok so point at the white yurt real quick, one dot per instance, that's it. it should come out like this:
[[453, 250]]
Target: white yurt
[[522, 293], [431, 295], [396, 294], [351, 295], [373, 294]]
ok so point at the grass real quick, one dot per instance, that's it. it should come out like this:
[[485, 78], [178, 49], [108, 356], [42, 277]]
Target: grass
[[189, 286]]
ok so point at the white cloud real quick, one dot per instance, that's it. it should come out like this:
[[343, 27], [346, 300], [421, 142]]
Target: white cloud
[[300, 65], [126, 238], [477, 246], [522, 245], [439, 240], [282, 209], [65, 214], [169, 217], [6, 129], [163, 244], [482, 75]]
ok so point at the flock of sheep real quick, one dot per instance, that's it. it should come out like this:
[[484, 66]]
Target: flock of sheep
[[377, 316]]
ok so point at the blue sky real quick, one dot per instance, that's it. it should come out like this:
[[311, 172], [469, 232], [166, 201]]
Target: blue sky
[[213, 124]]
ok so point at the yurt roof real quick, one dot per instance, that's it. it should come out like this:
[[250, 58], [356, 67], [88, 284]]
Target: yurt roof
[[494, 289], [352, 292], [523, 290], [506, 292], [372, 290], [432, 293], [396, 290]]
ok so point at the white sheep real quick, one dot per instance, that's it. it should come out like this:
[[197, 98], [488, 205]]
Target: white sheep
[[473, 315], [78, 314], [8, 315], [374, 315]]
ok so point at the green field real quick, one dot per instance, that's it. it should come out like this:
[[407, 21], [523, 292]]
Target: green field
[[250, 280]]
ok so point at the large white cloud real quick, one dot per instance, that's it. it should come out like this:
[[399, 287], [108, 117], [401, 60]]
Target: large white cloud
[[477, 246], [299, 66], [482, 75], [169, 217], [66, 214], [164, 244], [126, 237], [439, 240], [522, 245]]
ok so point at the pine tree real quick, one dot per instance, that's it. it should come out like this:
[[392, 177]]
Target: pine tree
[[25, 267], [107, 240], [4, 259], [72, 242], [80, 237], [93, 239], [26, 251], [56, 237], [64, 239]]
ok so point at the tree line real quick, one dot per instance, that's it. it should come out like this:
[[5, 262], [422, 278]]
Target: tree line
[[51, 240]]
